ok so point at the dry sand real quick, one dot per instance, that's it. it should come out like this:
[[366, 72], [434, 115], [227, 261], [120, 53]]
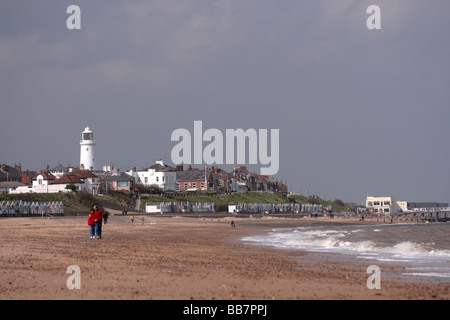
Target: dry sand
[[177, 259]]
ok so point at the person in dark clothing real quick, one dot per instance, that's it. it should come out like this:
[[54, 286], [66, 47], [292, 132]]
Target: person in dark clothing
[[98, 218], [105, 217]]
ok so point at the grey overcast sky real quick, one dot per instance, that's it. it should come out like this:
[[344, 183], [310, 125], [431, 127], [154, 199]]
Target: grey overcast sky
[[358, 110]]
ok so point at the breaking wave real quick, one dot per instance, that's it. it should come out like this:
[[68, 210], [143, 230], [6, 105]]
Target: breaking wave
[[410, 245]]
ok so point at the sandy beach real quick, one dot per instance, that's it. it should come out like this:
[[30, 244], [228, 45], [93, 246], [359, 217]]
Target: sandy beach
[[175, 258]]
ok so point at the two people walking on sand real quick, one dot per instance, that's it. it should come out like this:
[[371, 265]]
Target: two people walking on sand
[[95, 220]]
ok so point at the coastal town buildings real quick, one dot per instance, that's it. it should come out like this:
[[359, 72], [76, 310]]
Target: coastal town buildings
[[46, 182], [160, 175], [7, 186], [117, 181], [65, 179], [89, 179], [8, 173], [192, 179]]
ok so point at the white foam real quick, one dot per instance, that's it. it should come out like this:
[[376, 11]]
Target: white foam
[[429, 274], [393, 260], [336, 241], [419, 247]]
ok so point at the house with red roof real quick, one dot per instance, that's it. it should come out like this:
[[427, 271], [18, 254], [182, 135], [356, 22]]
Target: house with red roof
[[69, 179], [46, 182], [90, 180], [42, 181]]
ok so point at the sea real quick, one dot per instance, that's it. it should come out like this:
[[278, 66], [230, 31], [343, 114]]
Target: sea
[[421, 250]]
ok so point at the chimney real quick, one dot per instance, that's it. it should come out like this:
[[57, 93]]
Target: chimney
[[18, 167]]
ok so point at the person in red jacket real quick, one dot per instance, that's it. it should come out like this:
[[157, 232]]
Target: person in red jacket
[[91, 224], [98, 218]]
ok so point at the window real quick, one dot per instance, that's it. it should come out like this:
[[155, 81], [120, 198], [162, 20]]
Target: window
[[202, 186], [386, 210], [122, 184], [194, 185], [387, 203], [157, 179], [178, 186], [146, 180], [376, 203], [369, 203], [163, 179], [185, 186], [88, 136]]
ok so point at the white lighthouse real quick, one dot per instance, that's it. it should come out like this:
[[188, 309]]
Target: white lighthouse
[[87, 150]]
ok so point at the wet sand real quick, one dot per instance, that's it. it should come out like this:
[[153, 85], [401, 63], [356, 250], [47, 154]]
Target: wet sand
[[178, 259]]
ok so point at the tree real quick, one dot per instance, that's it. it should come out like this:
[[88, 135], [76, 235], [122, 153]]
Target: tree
[[71, 187]]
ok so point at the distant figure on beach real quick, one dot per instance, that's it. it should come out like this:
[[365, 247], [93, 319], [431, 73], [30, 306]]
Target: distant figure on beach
[[132, 219], [98, 218], [233, 225], [91, 224], [105, 217], [142, 220]]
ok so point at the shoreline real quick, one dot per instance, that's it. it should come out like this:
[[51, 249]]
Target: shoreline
[[176, 258]]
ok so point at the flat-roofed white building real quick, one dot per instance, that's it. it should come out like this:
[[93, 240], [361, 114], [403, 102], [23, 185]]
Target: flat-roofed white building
[[383, 205], [388, 205]]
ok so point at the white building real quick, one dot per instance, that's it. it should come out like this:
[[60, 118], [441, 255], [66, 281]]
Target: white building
[[11, 186], [87, 150], [384, 205], [159, 174], [42, 181], [45, 182], [90, 180], [388, 205]]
